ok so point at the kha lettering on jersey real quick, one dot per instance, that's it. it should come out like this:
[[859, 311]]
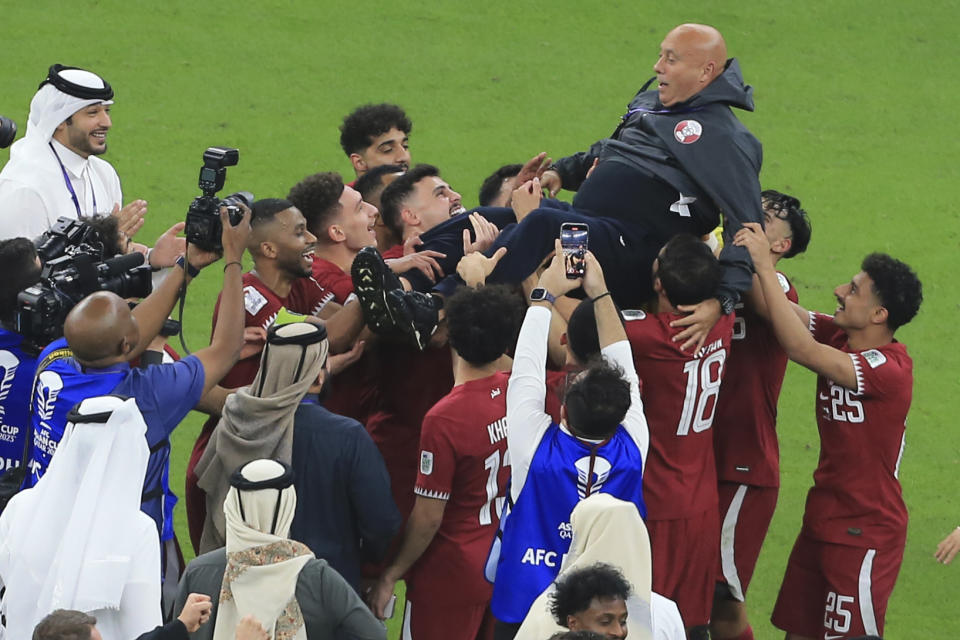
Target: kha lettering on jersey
[[497, 430]]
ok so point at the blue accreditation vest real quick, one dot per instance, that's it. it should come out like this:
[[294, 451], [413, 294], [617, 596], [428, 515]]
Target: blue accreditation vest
[[17, 369], [537, 532], [60, 384]]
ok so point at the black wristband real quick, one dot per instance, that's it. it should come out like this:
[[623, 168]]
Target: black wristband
[[188, 268], [605, 293], [236, 262]]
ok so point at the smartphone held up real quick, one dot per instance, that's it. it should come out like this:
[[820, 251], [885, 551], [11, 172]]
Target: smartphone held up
[[573, 240]]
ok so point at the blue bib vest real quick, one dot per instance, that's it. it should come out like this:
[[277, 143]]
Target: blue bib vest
[[61, 382], [17, 369], [537, 532]]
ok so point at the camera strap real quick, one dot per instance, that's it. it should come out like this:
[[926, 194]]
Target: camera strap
[[69, 183]]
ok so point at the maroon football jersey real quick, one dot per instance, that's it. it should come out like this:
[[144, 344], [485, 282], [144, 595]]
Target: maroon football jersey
[[409, 382], [856, 497], [353, 391], [333, 279], [463, 460], [744, 429], [679, 391], [261, 306]]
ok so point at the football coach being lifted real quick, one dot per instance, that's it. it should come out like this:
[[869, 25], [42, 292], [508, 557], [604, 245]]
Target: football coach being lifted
[[678, 161]]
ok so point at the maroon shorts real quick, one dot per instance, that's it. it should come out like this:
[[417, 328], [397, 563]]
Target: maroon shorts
[[426, 619], [836, 591], [745, 514], [685, 563]]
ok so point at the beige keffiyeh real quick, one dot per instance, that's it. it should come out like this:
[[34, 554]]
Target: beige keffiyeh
[[262, 564], [258, 420]]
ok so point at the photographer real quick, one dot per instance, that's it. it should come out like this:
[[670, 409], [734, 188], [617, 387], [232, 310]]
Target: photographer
[[102, 336], [18, 260]]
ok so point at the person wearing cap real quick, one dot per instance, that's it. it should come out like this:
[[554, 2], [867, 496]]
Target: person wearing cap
[[262, 572], [79, 540], [54, 170], [346, 512]]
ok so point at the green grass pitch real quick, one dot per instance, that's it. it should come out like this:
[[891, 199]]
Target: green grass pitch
[[855, 107]]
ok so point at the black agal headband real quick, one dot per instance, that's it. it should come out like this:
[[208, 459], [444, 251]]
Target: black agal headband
[[304, 340], [281, 482], [77, 90]]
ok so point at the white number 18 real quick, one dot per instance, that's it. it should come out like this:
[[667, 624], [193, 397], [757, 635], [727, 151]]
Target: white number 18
[[703, 383]]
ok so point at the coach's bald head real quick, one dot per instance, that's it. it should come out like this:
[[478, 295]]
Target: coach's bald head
[[691, 57], [101, 330]]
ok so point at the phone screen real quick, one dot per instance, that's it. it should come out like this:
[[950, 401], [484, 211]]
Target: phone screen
[[573, 239]]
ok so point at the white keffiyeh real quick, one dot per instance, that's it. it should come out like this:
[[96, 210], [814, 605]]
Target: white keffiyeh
[[78, 539]]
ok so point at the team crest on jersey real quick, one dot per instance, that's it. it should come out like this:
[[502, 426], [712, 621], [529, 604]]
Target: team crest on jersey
[[633, 314], [426, 462], [784, 283], [874, 358], [253, 300], [601, 470], [49, 386], [494, 393], [9, 364], [687, 131]]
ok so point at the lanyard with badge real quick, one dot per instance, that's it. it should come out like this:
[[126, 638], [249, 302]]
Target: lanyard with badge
[[66, 179]]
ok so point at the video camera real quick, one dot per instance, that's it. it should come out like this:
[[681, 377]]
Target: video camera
[[69, 237], [73, 268], [204, 228]]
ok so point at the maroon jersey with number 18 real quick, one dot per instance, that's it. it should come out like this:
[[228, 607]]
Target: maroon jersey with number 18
[[744, 429], [679, 390], [463, 460], [856, 497]]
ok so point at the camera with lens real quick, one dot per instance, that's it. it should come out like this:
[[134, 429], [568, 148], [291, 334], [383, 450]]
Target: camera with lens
[[8, 131], [69, 237], [73, 268], [204, 228]]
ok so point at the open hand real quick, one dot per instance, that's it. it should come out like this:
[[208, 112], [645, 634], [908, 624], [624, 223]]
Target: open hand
[[130, 218], [533, 168], [752, 236], [699, 321], [947, 550], [425, 261], [168, 247], [484, 231]]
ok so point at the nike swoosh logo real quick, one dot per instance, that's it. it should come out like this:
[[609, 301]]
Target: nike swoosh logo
[[823, 397], [830, 637]]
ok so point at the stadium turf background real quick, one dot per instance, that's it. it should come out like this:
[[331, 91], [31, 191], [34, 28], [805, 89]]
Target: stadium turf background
[[855, 107]]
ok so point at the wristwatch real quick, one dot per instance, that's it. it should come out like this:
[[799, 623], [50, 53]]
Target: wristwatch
[[726, 304], [188, 268], [542, 295]]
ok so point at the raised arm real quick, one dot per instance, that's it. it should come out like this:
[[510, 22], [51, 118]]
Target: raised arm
[[616, 349], [224, 349], [527, 390], [792, 332]]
